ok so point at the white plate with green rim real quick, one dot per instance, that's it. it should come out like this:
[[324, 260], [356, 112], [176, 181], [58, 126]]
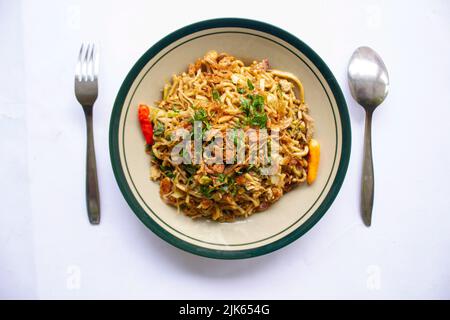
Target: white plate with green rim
[[298, 210]]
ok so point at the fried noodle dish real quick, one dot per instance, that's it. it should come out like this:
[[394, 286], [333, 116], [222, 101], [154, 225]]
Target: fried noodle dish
[[223, 93]]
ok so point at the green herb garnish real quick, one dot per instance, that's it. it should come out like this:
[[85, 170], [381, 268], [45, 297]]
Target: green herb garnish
[[206, 191], [185, 154], [246, 106], [237, 134], [252, 167], [200, 115], [241, 90], [215, 95], [159, 129], [259, 119], [258, 102], [170, 174], [250, 85], [167, 170], [152, 153], [254, 110], [190, 169], [221, 177]]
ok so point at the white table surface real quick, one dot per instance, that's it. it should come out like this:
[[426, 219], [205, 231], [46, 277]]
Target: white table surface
[[49, 250]]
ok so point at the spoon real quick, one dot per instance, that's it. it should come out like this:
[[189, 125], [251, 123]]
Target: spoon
[[368, 80]]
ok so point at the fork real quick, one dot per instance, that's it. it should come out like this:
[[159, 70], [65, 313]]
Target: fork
[[86, 91]]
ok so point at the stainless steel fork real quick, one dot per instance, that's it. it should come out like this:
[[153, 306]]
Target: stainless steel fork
[[86, 91]]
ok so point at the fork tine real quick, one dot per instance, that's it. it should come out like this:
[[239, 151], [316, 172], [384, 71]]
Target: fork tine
[[84, 65], [95, 64], [79, 62], [91, 63]]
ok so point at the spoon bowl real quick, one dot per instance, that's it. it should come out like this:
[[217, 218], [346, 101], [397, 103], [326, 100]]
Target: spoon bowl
[[368, 78]]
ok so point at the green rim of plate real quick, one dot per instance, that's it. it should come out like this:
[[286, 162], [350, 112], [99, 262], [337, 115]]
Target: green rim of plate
[[229, 23]]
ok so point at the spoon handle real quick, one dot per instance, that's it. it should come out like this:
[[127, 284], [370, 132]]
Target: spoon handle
[[367, 176]]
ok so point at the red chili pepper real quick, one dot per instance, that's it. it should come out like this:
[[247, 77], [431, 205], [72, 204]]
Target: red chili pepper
[[146, 124]]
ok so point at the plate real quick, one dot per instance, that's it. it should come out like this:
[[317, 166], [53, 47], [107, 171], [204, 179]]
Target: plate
[[297, 211]]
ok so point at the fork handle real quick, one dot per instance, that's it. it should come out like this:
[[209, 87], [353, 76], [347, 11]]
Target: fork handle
[[92, 194]]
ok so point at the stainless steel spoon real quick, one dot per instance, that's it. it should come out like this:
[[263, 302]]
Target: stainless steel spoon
[[368, 80]]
